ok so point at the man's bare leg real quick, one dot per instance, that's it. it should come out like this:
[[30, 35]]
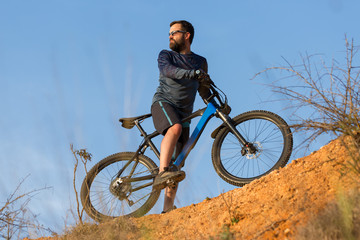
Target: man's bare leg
[[168, 145], [167, 149], [169, 198]]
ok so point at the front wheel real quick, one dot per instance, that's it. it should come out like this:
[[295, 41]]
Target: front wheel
[[105, 196], [270, 146]]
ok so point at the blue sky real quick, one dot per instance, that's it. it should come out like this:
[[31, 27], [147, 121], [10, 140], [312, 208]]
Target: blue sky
[[70, 69]]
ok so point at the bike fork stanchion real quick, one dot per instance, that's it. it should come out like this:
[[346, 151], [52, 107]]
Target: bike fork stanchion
[[227, 120]]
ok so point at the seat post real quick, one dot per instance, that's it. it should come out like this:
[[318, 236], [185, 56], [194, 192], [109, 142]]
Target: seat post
[[148, 141], [142, 131]]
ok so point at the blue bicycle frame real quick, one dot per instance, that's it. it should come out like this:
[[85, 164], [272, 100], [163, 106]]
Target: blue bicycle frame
[[209, 113]]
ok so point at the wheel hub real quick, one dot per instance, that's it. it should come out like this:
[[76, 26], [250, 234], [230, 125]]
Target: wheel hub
[[120, 189], [252, 150]]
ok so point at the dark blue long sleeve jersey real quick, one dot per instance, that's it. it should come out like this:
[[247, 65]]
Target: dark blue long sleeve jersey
[[178, 85]]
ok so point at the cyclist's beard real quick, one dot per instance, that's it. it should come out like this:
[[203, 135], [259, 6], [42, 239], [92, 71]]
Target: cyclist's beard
[[177, 46]]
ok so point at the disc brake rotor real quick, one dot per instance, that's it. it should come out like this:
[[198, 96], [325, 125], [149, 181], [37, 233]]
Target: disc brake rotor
[[120, 189], [256, 153]]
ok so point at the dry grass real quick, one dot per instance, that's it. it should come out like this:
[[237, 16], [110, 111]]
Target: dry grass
[[339, 220], [121, 228]]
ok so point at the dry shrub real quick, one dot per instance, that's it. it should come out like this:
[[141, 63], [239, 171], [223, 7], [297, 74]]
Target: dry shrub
[[16, 219], [324, 98], [84, 157]]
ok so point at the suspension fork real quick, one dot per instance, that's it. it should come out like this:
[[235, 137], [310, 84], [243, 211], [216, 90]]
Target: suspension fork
[[228, 122]]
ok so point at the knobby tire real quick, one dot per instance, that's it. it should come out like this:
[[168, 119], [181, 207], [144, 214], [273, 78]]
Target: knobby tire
[[98, 201], [268, 132]]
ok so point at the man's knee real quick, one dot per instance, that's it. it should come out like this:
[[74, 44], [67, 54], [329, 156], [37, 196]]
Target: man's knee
[[176, 129]]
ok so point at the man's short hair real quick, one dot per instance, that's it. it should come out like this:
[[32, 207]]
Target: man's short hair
[[186, 26]]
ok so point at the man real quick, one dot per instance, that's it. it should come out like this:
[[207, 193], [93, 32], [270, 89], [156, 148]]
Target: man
[[180, 72]]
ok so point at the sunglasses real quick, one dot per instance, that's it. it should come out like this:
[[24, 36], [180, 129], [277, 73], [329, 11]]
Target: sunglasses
[[176, 31]]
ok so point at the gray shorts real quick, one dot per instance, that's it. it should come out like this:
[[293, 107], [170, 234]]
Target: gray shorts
[[164, 116]]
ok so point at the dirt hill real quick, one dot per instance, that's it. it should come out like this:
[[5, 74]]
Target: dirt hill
[[268, 208]]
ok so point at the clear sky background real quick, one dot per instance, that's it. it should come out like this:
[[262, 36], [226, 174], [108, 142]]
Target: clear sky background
[[70, 69]]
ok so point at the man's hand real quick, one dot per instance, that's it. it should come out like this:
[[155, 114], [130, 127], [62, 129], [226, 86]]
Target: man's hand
[[203, 78], [200, 74], [226, 109]]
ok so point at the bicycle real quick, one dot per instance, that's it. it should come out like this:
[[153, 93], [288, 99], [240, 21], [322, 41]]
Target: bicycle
[[245, 148]]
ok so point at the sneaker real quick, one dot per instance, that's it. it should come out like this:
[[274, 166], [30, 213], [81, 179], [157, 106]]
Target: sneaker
[[164, 178], [169, 210]]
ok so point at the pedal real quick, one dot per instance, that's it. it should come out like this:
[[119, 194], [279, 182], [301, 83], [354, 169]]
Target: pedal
[[171, 183]]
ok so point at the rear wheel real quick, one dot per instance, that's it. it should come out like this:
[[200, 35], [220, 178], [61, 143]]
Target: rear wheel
[[270, 146], [105, 196]]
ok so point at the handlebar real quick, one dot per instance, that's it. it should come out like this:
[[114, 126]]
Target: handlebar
[[221, 98]]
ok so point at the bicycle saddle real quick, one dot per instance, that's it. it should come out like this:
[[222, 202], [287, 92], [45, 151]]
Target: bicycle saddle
[[130, 122]]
